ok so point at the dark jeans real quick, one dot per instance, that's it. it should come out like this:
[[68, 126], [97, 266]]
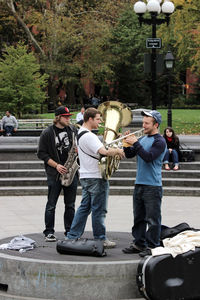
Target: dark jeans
[[9, 130], [54, 190], [147, 215]]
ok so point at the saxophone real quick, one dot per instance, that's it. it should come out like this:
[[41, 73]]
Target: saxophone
[[71, 164]]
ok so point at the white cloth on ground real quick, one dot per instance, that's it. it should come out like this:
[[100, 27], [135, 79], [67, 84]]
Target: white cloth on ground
[[181, 243], [19, 243]]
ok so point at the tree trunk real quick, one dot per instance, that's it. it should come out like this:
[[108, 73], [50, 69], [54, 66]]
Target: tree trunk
[[52, 96]]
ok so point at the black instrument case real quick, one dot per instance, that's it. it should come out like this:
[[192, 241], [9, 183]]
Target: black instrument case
[[166, 278]]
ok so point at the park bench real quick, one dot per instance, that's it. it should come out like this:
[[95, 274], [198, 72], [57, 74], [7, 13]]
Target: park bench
[[33, 127], [33, 123]]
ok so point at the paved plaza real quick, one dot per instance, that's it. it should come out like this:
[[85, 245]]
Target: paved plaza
[[25, 214]]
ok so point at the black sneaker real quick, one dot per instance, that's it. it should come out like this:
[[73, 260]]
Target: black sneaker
[[50, 238], [146, 252], [133, 249]]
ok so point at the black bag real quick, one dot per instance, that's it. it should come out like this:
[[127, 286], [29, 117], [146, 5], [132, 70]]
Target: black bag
[[166, 278], [186, 154], [169, 232], [81, 247]]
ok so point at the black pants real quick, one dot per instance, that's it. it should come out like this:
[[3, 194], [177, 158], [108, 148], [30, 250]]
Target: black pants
[[54, 190]]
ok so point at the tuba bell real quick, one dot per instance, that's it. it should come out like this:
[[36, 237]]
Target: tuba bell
[[115, 115]]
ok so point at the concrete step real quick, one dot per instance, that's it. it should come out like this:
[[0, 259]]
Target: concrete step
[[124, 164], [175, 181], [117, 190], [131, 164], [23, 181], [122, 182], [31, 171], [19, 156], [25, 175], [38, 164], [19, 141], [21, 164], [165, 174], [9, 173]]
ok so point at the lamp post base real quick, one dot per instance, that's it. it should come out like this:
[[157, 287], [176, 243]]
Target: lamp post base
[[169, 118]]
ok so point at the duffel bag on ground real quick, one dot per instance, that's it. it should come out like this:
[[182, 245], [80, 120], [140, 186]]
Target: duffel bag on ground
[[88, 247]]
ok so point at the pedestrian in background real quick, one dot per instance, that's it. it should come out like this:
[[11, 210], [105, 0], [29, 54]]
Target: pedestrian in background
[[9, 124], [172, 151], [79, 116]]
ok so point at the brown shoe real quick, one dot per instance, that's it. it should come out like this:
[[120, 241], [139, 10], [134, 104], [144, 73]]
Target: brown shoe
[[133, 249]]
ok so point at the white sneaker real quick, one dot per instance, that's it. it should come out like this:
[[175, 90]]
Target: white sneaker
[[108, 244]]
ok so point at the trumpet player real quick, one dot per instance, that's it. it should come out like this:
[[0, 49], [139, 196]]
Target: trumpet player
[[95, 189], [149, 150]]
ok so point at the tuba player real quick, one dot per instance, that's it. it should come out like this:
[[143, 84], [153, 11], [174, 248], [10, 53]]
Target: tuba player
[[95, 189]]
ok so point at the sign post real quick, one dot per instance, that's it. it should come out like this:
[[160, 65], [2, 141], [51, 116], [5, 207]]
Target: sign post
[[153, 43]]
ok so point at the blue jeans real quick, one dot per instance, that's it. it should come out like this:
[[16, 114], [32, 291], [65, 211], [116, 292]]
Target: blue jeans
[[174, 156], [147, 215], [54, 190], [94, 199]]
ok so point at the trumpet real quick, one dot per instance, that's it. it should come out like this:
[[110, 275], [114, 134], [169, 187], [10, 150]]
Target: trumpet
[[138, 133]]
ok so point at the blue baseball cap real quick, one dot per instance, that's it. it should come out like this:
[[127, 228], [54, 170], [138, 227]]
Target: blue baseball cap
[[154, 114]]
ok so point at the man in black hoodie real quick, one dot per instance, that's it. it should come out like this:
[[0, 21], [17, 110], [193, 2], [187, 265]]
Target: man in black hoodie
[[54, 146]]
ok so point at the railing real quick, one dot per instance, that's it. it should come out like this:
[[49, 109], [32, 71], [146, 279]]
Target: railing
[[36, 124]]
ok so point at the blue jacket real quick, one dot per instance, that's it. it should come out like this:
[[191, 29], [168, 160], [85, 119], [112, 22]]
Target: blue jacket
[[150, 151]]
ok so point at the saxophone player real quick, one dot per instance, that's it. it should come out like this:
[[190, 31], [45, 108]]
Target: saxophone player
[[54, 146], [95, 189]]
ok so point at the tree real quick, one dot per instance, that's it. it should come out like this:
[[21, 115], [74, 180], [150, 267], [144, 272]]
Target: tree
[[182, 38], [183, 34], [127, 46], [68, 36], [22, 87]]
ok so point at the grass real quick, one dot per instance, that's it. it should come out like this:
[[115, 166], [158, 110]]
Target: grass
[[184, 121]]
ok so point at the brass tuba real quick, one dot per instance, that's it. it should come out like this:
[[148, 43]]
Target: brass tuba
[[115, 115]]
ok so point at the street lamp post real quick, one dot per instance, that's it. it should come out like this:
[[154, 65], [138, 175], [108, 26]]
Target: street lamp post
[[154, 7], [169, 63]]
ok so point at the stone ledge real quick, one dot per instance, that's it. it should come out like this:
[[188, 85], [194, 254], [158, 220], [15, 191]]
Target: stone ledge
[[46, 274]]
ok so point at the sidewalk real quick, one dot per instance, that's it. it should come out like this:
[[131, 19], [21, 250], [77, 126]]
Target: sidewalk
[[25, 214]]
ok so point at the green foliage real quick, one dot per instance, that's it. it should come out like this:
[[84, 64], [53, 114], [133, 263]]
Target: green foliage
[[183, 35], [21, 83], [127, 46], [101, 40]]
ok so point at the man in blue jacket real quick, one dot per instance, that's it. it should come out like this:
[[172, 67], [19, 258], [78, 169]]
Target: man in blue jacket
[[147, 196]]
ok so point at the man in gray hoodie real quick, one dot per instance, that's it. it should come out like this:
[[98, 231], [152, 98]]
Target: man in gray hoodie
[[9, 124]]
